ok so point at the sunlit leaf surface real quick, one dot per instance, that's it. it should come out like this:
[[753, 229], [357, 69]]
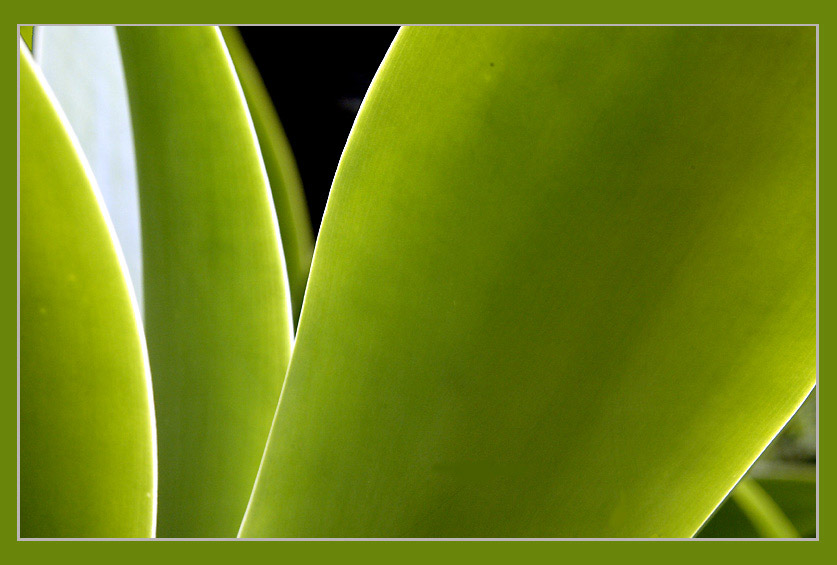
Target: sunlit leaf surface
[[285, 184], [87, 455], [564, 286], [217, 307]]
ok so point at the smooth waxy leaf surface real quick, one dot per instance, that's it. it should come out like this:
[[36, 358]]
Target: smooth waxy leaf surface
[[84, 69], [218, 314], [564, 286], [87, 454], [285, 184]]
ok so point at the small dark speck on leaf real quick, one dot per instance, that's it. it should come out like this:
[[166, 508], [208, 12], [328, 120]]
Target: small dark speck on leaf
[[492, 64]]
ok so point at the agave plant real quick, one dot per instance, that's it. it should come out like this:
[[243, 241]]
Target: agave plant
[[564, 287]]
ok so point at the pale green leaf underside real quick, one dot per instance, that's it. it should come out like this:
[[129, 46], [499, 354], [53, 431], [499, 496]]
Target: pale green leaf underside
[[87, 455], [285, 184], [218, 313], [84, 69], [564, 286]]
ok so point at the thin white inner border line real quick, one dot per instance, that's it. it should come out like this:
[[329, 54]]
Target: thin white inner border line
[[817, 380]]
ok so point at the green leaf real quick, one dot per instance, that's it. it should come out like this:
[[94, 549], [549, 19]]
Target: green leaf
[[564, 286], [87, 453], [288, 196], [218, 313], [83, 68]]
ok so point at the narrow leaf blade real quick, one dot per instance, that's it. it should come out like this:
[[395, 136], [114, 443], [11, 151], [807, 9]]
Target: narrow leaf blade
[[794, 496], [285, 184], [87, 454], [765, 515], [218, 313]]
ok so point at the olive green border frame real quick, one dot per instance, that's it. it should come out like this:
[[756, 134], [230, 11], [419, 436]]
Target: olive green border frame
[[514, 551]]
